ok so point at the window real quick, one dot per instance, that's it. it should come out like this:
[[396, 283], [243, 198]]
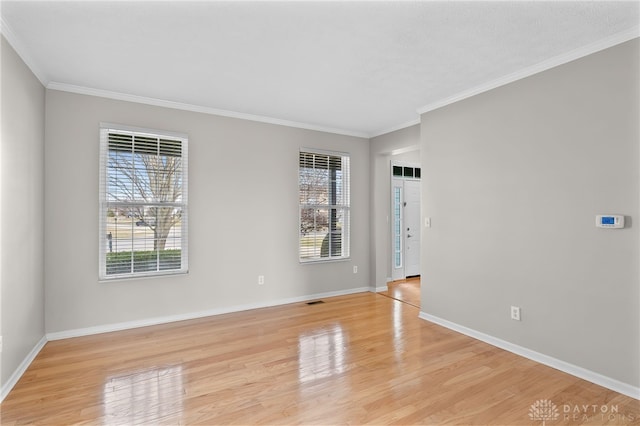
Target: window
[[324, 205], [407, 172], [143, 203], [397, 226]]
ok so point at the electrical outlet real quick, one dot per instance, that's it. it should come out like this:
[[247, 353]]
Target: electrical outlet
[[515, 313], [355, 269], [260, 279]]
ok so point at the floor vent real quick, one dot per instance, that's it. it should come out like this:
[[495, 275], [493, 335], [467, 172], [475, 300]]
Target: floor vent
[[315, 302]]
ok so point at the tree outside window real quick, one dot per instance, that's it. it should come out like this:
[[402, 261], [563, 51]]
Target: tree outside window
[[324, 206]]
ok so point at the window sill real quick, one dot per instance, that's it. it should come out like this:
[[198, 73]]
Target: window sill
[[331, 260], [119, 278]]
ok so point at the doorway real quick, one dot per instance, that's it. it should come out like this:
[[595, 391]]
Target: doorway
[[405, 221]]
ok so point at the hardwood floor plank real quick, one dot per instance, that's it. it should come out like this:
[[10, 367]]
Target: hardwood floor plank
[[357, 359]]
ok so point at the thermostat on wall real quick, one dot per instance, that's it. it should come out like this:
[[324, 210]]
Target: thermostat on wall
[[609, 221]]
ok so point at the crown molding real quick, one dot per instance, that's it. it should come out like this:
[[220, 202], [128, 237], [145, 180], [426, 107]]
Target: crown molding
[[581, 52], [23, 52], [27, 58], [394, 128], [197, 108]]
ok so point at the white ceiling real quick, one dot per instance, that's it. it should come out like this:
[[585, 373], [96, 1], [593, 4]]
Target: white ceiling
[[360, 68]]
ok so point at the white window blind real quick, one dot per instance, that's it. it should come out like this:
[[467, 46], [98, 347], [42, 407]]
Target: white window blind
[[323, 179], [143, 203]]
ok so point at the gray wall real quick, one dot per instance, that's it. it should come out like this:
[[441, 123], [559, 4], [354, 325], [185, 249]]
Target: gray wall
[[513, 180], [22, 209], [243, 215], [384, 150]]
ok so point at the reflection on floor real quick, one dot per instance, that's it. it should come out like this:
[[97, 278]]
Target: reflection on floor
[[407, 291]]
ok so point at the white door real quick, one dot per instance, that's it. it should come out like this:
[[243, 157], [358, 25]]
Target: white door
[[405, 232], [411, 227]]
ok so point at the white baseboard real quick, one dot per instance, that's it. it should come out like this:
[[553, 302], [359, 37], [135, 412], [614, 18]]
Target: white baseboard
[[381, 288], [574, 370], [107, 328], [6, 388]]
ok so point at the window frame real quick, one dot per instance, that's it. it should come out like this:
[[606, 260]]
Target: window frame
[[344, 207], [104, 204]]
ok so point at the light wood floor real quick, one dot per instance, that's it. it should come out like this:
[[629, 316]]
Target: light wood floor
[[358, 359], [407, 291]]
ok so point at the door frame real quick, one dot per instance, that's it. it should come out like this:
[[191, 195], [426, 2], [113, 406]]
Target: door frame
[[398, 272]]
